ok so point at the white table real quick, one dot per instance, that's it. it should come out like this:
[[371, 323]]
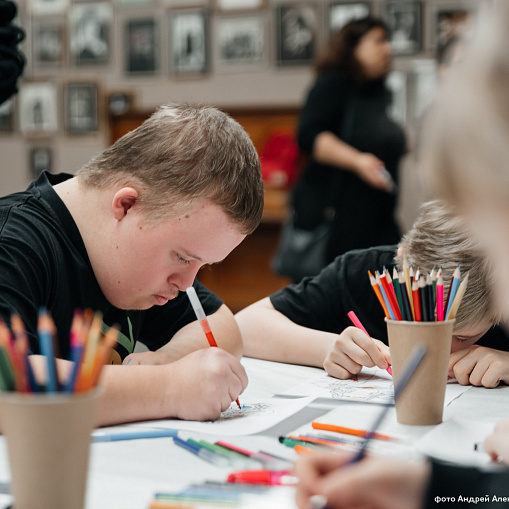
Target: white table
[[126, 475]]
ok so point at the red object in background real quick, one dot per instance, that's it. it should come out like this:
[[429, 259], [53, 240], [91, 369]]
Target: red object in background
[[280, 160]]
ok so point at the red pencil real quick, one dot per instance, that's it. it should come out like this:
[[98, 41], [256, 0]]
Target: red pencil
[[390, 295], [416, 300]]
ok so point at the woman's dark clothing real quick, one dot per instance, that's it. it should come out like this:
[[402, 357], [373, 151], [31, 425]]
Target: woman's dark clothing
[[364, 216]]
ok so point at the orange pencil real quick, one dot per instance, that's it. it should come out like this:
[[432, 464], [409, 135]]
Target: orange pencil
[[378, 294], [349, 431], [102, 355]]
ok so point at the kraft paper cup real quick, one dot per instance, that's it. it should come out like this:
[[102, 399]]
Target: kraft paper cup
[[422, 400], [48, 441]]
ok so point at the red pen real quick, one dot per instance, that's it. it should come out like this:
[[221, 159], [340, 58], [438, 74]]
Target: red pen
[[202, 318], [359, 325], [265, 477]]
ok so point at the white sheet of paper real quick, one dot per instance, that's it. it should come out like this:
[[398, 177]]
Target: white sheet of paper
[[454, 440], [373, 385], [256, 415]]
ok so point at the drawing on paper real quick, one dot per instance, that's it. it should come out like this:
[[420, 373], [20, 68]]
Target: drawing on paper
[[367, 387], [253, 409]]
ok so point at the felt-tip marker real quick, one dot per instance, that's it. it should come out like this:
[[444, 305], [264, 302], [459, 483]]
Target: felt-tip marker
[[264, 477]]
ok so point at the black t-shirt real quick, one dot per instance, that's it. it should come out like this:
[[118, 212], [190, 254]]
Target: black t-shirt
[[323, 301], [44, 263]]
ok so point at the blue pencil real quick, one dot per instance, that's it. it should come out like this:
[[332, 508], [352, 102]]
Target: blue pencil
[[453, 289], [45, 333], [385, 297]]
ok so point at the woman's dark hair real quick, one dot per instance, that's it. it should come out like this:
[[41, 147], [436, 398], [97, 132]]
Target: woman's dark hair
[[339, 52]]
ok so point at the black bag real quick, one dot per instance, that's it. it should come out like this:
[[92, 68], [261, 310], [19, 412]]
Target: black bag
[[302, 252]]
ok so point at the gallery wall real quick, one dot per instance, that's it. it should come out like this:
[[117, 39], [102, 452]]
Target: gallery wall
[[89, 59]]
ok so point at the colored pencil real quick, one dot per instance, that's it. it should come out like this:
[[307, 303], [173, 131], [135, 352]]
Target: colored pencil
[[440, 297], [431, 300], [423, 296], [45, 330], [453, 288], [406, 302], [385, 296], [408, 284], [378, 294], [390, 294], [397, 291], [21, 344], [416, 301], [349, 431], [202, 318], [457, 299]]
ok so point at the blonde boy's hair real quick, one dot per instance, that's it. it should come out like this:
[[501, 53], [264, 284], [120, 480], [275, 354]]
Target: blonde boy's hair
[[180, 154], [439, 238]]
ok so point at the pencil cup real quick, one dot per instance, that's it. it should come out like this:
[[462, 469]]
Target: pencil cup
[[422, 400], [48, 440]]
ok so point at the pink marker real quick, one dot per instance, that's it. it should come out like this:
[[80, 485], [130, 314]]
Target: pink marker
[[359, 325]]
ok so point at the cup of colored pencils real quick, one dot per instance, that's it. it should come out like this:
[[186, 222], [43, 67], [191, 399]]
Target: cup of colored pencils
[[416, 313], [47, 420]]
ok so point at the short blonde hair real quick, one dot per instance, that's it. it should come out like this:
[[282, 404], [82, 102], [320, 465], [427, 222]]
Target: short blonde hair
[[180, 154], [440, 238]]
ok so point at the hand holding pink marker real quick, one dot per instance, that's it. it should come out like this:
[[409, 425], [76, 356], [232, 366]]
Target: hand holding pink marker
[[359, 325]]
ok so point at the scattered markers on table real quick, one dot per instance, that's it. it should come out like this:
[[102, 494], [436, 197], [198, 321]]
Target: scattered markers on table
[[89, 351], [418, 296]]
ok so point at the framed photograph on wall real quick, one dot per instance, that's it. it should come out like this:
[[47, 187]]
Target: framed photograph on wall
[[37, 107], [48, 6], [240, 42], [404, 20], [141, 46], [238, 5], [48, 43], [81, 107], [90, 27], [451, 22], [40, 160], [189, 42], [296, 34], [340, 13]]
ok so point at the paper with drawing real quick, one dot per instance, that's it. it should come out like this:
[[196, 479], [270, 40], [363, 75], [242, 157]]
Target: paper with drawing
[[256, 415], [372, 385]]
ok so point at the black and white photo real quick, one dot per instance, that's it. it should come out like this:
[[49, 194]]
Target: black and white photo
[[238, 5], [296, 33], [90, 27], [240, 41], [48, 6], [340, 13], [81, 107], [141, 46], [40, 160], [404, 20], [48, 44], [37, 104], [189, 41], [451, 23]]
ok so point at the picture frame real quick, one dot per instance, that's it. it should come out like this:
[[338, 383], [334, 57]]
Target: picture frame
[[6, 116], [135, 3], [239, 5], [120, 103], [141, 46], [90, 28], [48, 6], [240, 42], [405, 24], [451, 21], [81, 107], [189, 32], [340, 13], [49, 46], [296, 34], [37, 108], [40, 159]]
